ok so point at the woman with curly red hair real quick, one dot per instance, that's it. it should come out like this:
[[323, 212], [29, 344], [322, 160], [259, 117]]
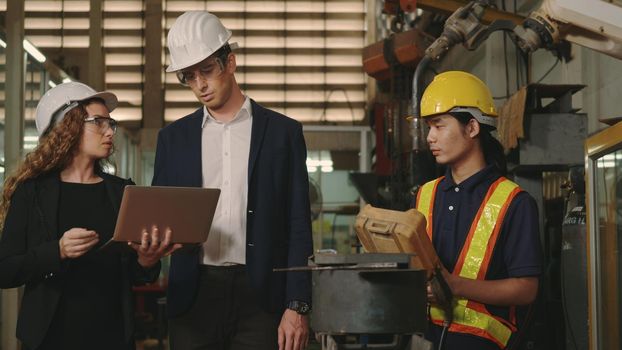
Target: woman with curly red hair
[[56, 211]]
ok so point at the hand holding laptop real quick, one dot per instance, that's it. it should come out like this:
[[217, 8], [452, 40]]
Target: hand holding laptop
[[188, 212], [153, 246]]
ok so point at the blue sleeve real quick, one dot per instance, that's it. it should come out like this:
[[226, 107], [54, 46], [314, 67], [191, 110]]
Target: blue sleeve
[[523, 250]]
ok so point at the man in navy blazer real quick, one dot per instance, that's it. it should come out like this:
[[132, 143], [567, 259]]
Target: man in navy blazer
[[226, 295]]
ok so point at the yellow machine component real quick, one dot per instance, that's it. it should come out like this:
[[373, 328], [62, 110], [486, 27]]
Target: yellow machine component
[[391, 231], [454, 89]]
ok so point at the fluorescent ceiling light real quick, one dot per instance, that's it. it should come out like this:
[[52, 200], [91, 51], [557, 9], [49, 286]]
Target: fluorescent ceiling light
[[66, 80], [51, 84], [33, 51]]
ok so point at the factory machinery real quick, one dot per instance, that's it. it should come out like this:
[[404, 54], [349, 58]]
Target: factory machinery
[[378, 300]]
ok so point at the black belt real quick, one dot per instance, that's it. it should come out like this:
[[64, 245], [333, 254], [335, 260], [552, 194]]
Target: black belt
[[235, 267]]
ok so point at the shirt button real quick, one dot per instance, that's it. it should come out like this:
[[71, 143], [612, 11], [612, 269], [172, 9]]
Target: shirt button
[[226, 182], [451, 207], [226, 153], [457, 189]]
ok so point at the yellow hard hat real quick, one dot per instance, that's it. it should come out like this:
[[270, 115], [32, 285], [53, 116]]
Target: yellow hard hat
[[459, 91]]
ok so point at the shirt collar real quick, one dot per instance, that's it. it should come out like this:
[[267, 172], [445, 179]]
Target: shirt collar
[[472, 182], [244, 113]]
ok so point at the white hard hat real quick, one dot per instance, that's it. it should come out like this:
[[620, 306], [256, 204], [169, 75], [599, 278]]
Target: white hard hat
[[62, 98], [195, 36]]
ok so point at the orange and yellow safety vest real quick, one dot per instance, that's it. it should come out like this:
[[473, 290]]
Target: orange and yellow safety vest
[[469, 316]]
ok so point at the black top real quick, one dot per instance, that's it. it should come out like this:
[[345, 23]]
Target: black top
[[30, 257], [90, 305]]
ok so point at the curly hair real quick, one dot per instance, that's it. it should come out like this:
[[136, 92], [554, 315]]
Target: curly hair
[[55, 151]]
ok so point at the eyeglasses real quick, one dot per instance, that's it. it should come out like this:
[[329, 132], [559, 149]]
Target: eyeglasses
[[210, 70], [102, 123]]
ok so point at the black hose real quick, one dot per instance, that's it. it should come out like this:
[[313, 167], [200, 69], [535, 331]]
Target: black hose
[[422, 165], [416, 95]]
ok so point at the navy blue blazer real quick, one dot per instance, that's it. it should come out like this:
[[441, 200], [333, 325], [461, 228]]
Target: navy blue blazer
[[278, 230]]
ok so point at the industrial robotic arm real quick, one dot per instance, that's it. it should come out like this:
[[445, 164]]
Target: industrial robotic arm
[[594, 24], [465, 26]]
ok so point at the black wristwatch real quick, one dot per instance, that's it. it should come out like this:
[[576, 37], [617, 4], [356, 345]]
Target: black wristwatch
[[300, 307]]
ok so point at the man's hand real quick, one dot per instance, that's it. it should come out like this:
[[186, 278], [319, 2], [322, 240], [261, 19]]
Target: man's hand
[[509, 291], [76, 242], [293, 331], [151, 248]]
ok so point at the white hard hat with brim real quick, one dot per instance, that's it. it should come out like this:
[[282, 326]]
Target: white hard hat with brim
[[59, 100], [193, 37]]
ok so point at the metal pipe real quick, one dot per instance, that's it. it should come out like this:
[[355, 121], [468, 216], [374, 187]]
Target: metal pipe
[[419, 167], [416, 94]]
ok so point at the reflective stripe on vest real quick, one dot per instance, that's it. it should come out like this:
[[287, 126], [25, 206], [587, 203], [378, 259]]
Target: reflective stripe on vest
[[469, 316], [425, 202]]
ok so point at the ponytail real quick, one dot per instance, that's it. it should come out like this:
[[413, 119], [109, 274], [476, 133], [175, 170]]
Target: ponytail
[[492, 148]]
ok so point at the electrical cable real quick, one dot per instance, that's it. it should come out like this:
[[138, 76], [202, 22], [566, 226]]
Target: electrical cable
[[505, 57], [441, 341], [548, 71], [517, 54], [537, 82]]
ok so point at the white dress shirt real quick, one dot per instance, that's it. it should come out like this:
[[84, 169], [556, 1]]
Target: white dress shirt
[[225, 149]]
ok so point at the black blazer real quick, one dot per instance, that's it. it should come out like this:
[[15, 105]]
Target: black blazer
[[278, 230], [30, 256]]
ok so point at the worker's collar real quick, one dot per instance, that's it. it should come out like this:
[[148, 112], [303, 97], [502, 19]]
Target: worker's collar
[[243, 114], [471, 183]]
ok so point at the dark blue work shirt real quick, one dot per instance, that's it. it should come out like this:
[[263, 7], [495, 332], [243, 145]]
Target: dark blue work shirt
[[517, 252]]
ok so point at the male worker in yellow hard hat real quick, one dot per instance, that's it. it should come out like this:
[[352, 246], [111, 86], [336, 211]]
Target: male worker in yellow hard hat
[[226, 295], [483, 226]]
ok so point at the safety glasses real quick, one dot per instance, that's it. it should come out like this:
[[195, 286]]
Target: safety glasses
[[102, 123], [211, 69]]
